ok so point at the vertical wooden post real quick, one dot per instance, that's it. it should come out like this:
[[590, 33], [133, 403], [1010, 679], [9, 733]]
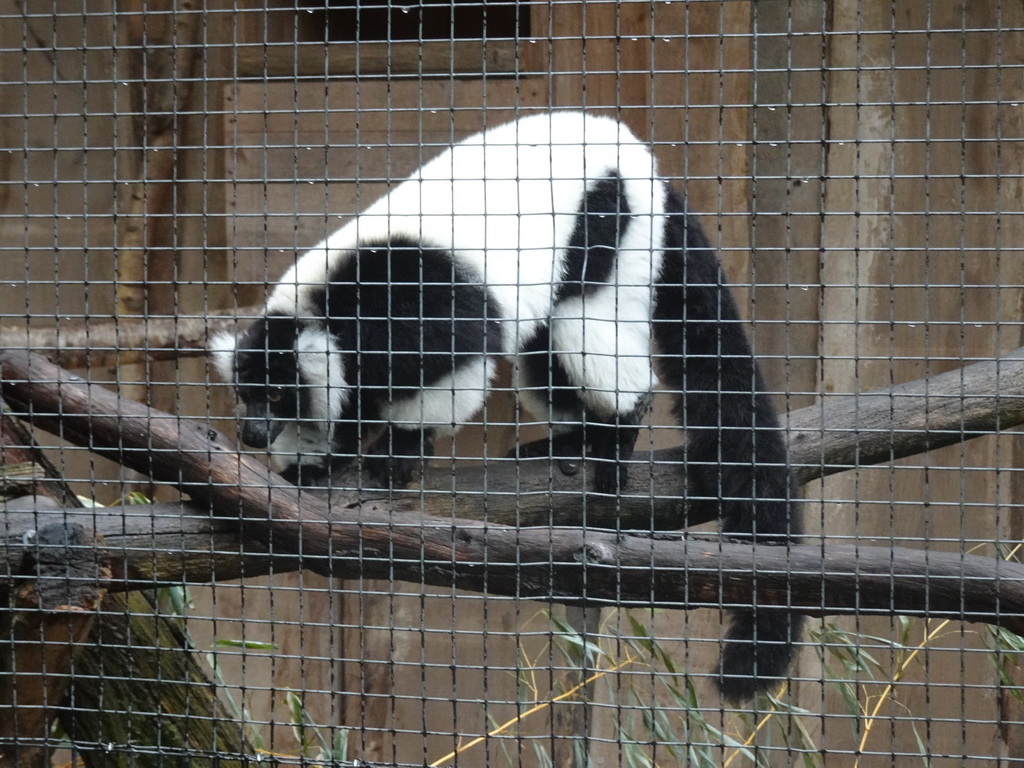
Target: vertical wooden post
[[917, 187]]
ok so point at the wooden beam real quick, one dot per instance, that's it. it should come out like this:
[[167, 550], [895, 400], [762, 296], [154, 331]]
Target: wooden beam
[[413, 58]]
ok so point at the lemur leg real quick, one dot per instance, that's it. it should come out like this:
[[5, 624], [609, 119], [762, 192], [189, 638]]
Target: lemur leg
[[416, 419], [564, 445], [298, 454], [609, 361], [545, 390], [610, 440], [611, 445], [345, 441]]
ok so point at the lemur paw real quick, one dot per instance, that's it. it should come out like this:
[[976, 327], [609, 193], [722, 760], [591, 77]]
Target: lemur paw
[[391, 472], [306, 475], [610, 476]]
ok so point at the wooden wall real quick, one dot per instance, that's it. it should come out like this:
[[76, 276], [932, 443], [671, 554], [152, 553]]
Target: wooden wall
[[857, 164]]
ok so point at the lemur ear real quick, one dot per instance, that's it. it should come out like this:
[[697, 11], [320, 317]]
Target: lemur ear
[[222, 354]]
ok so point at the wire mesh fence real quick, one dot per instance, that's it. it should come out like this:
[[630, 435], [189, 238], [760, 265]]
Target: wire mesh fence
[[310, 313]]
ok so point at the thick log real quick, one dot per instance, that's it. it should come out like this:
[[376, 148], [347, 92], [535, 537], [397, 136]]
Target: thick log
[[379, 538], [52, 613], [141, 661]]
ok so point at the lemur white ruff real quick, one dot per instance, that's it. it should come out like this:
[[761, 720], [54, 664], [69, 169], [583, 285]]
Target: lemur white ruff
[[552, 240]]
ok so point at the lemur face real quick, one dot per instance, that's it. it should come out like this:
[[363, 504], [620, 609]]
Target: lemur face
[[285, 371], [263, 365], [268, 379]]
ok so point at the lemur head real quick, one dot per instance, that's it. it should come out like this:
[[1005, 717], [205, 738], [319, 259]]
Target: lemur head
[[285, 370]]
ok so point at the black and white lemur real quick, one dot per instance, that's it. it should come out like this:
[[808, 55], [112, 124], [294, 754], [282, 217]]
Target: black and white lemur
[[550, 240]]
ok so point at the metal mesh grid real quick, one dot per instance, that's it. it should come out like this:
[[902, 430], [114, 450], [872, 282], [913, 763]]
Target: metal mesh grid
[[855, 165]]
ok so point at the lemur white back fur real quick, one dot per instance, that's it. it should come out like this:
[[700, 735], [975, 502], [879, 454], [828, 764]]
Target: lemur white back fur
[[505, 203]]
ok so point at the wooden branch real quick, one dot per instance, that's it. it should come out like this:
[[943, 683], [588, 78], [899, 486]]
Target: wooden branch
[[171, 543], [887, 424], [121, 342], [841, 433], [383, 538], [191, 724]]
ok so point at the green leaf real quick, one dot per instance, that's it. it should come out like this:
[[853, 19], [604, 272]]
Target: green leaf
[[250, 645]]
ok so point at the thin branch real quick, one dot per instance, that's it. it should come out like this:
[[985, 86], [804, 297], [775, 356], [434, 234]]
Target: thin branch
[[121, 342], [840, 433]]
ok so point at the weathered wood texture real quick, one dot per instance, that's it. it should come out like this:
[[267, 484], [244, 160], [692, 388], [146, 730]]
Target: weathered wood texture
[[158, 62], [50, 600], [408, 59], [50, 597], [788, 141], [18, 449], [171, 543], [141, 688]]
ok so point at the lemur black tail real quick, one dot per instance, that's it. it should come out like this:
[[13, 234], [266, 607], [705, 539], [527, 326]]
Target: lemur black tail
[[736, 453]]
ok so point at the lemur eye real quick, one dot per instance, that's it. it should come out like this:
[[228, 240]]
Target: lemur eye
[[275, 395]]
